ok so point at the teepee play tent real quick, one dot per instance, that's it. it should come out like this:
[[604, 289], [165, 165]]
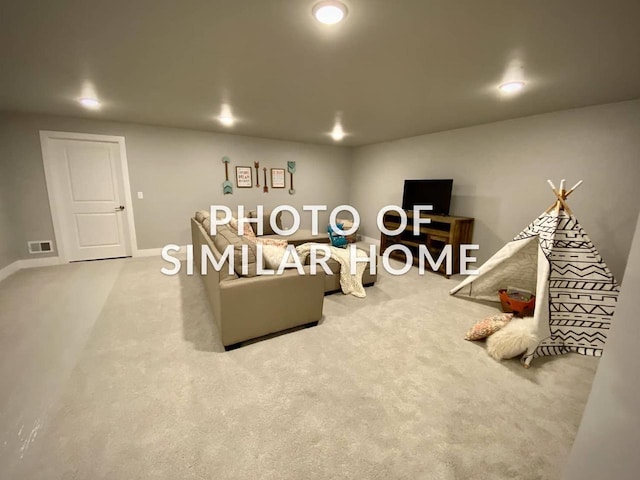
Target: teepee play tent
[[575, 292]]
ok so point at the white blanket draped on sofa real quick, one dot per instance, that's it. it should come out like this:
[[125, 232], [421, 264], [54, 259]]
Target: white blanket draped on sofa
[[350, 284]]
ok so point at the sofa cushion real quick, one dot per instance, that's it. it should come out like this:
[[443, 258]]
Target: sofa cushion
[[204, 217], [347, 224], [300, 237], [266, 226], [247, 229], [201, 215], [226, 236], [333, 265]]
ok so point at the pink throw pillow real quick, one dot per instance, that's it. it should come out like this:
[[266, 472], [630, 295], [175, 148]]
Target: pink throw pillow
[[273, 242], [488, 326], [248, 230]]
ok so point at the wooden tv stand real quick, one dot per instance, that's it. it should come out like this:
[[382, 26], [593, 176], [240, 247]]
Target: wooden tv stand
[[443, 230]]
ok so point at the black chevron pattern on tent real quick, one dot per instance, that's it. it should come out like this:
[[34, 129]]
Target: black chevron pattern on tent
[[582, 290], [580, 323]]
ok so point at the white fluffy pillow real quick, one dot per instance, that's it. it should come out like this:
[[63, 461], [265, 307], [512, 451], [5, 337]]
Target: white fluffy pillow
[[273, 256], [513, 339]]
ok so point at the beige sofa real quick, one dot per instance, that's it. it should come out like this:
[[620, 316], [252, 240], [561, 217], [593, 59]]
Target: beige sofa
[[251, 306]]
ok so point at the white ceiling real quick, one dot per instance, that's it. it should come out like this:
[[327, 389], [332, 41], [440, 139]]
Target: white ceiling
[[392, 69]]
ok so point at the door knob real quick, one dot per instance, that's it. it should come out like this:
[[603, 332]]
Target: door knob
[[120, 208]]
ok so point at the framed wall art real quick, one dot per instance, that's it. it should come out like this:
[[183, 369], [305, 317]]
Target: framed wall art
[[243, 177], [277, 178]]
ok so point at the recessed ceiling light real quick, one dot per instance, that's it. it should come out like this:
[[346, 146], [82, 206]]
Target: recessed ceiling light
[[337, 133], [511, 87], [226, 118], [91, 103], [329, 11]]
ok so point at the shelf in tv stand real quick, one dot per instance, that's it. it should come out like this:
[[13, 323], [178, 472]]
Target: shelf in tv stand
[[443, 230]]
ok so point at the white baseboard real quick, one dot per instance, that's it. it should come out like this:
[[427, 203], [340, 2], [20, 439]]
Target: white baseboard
[[28, 263], [9, 270], [50, 261], [39, 262]]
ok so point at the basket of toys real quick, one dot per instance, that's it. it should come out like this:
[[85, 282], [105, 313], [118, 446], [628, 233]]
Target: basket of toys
[[337, 240], [517, 301]]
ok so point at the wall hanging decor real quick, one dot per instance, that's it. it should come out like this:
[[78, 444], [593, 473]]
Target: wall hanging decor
[[227, 186], [244, 177], [291, 167], [265, 188], [256, 165], [277, 178]]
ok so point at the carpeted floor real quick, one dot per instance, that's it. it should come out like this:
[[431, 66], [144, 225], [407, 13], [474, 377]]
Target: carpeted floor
[[134, 383]]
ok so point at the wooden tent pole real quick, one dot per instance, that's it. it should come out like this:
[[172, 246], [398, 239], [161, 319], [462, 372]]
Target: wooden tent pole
[[555, 192], [564, 205], [561, 196], [573, 188]]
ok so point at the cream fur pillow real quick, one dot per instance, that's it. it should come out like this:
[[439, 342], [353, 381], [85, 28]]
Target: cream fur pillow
[[273, 256], [513, 339]]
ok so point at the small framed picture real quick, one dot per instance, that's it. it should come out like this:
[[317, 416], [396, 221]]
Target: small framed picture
[[243, 177], [277, 178]]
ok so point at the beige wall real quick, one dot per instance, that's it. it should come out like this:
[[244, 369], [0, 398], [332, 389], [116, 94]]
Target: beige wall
[[500, 172], [606, 445], [179, 171], [8, 234]]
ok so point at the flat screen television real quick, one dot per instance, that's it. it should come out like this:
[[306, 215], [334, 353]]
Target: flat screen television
[[428, 192]]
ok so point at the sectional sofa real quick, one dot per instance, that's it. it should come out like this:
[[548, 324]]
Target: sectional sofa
[[250, 306]]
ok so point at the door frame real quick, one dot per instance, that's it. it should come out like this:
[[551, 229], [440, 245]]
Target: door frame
[[54, 202]]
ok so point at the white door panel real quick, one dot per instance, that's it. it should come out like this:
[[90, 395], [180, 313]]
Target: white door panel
[[98, 230], [86, 179], [90, 172]]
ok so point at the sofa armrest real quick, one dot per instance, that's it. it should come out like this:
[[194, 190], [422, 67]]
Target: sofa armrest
[[257, 306]]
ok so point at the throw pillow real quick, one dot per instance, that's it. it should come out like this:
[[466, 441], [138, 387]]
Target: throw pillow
[[248, 229], [272, 241], [488, 326], [273, 256]]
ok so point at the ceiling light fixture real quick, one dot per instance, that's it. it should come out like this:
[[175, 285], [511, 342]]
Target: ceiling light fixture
[[329, 11], [226, 120], [225, 117], [337, 133], [90, 103], [511, 87]]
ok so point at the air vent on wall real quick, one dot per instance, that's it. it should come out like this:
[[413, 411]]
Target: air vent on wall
[[40, 246]]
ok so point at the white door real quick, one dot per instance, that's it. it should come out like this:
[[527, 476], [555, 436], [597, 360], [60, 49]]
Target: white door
[[89, 200]]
